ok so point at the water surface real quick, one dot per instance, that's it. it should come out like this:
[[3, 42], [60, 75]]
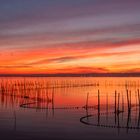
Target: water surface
[[69, 108]]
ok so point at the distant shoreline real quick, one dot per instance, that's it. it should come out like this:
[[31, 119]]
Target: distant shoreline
[[74, 75]]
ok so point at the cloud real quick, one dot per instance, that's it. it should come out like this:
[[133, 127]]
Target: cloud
[[56, 60], [82, 70], [50, 35], [81, 56], [15, 66]]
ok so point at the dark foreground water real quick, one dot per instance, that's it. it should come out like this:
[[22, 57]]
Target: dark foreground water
[[69, 108]]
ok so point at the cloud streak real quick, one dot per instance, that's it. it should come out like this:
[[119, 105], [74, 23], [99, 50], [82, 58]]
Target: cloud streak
[[64, 36]]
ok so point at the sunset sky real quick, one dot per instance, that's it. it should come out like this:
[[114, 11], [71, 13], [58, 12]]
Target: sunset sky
[[69, 36]]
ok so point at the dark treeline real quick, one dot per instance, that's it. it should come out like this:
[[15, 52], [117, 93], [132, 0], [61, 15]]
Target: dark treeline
[[74, 75]]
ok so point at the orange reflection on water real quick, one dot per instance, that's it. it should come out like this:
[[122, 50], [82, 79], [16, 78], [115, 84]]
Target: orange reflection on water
[[67, 92]]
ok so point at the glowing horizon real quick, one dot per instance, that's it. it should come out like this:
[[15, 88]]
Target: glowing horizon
[[64, 36]]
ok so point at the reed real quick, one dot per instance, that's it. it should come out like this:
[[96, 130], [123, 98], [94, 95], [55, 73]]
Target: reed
[[122, 102], [87, 100], [115, 101], [128, 100], [118, 109], [98, 107], [139, 97]]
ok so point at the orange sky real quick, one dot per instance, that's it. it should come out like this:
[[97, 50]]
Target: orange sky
[[72, 59], [46, 38]]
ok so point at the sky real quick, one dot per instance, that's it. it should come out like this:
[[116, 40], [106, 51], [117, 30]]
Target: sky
[[69, 36]]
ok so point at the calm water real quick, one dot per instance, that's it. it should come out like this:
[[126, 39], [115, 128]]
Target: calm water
[[69, 108]]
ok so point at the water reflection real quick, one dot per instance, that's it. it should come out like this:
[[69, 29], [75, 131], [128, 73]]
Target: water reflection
[[130, 112], [109, 103]]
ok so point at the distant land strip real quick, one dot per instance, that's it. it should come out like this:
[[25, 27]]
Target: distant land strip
[[74, 75]]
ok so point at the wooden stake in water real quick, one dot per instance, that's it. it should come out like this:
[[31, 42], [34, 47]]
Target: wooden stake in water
[[139, 109], [115, 100], [139, 97], [118, 103], [122, 102], [128, 104], [130, 99], [115, 105], [87, 101], [98, 107], [98, 101]]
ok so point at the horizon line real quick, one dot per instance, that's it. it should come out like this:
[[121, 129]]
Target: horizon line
[[74, 75]]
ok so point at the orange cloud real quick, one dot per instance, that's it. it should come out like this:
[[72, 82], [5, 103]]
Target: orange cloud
[[77, 57]]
